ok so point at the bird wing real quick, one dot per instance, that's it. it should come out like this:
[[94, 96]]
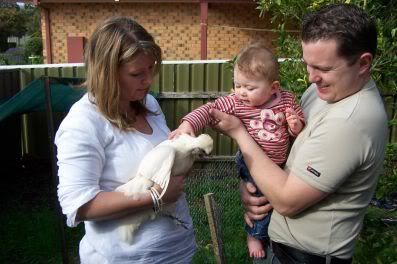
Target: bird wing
[[135, 186], [157, 165]]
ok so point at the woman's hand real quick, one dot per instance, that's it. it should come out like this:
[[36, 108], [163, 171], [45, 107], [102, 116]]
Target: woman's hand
[[175, 188], [256, 207], [227, 124]]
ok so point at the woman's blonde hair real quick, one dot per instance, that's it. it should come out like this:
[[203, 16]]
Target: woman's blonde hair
[[116, 41], [257, 60]]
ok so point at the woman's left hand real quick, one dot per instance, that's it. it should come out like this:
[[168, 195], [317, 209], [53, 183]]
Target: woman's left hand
[[175, 188]]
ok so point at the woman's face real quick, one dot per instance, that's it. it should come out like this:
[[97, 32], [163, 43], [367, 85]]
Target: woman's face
[[135, 78]]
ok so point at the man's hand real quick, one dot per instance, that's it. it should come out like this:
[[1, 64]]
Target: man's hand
[[256, 207], [227, 124]]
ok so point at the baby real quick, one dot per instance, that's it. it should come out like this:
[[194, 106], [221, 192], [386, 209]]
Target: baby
[[270, 115]]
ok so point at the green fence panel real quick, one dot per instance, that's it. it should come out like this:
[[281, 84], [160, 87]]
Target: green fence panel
[[168, 107], [212, 85], [80, 72], [182, 78], [35, 125], [180, 87], [167, 78], [197, 78], [212, 77], [38, 72], [25, 76], [54, 72], [155, 88], [166, 82], [226, 76], [68, 72]]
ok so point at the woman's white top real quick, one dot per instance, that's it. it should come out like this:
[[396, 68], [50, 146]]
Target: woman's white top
[[95, 156]]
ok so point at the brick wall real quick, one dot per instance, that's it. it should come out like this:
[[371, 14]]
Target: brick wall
[[232, 26], [175, 26]]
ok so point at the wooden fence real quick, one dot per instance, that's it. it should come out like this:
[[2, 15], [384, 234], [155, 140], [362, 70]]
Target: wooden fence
[[180, 87]]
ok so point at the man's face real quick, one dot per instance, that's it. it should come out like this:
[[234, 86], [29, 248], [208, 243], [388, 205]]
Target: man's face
[[334, 77]]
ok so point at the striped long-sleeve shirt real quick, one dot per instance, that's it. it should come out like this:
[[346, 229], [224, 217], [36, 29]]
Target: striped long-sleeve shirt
[[266, 124]]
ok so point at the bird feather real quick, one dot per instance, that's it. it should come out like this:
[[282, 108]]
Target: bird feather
[[171, 157]]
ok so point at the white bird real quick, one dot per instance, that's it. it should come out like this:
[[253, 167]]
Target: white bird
[[171, 157]]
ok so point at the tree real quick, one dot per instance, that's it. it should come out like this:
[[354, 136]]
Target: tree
[[12, 23], [16, 21], [291, 12], [33, 23]]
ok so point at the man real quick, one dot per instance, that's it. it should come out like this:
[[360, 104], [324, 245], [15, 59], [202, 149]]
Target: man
[[321, 196]]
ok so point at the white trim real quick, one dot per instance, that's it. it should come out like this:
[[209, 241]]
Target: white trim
[[194, 61], [38, 66], [62, 65]]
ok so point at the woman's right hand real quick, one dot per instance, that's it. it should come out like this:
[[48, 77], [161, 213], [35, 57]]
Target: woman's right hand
[[256, 208], [175, 188]]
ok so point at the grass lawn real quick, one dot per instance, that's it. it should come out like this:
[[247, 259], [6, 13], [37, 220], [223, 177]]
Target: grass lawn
[[28, 226]]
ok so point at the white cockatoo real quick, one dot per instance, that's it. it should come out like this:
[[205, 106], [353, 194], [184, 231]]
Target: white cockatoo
[[171, 157]]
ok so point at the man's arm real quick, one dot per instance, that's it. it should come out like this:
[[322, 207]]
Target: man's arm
[[287, 193]]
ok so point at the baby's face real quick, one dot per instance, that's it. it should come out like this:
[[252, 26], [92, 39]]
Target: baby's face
[[251, 90]]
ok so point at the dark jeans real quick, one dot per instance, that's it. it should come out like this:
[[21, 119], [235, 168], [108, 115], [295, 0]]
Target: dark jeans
[[289, 255], [260, 227]]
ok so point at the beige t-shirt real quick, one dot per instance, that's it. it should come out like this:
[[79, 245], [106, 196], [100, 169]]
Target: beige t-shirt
[[340, 152]]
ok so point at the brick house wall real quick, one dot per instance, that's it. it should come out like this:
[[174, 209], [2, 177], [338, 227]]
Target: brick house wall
[[175, 26], [232, 26]]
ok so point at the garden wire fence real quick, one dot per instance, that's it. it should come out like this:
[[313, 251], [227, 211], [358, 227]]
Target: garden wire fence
[[220, 178]]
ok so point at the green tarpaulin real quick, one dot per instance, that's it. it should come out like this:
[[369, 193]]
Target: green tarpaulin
[[32, 98]]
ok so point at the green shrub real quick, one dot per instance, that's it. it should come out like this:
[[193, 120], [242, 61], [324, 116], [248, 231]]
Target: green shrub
[[3, 60], [33, 46]]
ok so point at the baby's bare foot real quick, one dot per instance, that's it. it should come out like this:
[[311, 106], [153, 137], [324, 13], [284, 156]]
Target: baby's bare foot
[[255, 247]]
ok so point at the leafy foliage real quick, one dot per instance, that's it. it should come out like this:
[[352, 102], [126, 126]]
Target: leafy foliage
[[377, 242], [33, 46], [388, 180], [18, 22], [33, 26], [290, 12], [12, 24]]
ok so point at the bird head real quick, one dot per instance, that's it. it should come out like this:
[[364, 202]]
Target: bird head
[[205, 143]]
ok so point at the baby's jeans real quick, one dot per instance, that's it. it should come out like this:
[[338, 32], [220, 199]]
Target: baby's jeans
[[260, 227]]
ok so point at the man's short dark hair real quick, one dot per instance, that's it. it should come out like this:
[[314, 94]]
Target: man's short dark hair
[[352, 28]]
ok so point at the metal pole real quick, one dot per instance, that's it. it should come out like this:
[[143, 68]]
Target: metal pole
[[54, 169]]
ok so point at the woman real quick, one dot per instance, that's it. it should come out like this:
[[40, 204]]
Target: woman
[[100, 144]]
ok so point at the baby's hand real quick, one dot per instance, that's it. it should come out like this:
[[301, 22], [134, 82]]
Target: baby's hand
[[295, 124], [184, 128]]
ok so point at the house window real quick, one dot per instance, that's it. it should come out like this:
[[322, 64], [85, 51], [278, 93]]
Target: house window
[[75, 49]]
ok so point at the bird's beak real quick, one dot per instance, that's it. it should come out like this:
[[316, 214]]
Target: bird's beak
[[199, 152]]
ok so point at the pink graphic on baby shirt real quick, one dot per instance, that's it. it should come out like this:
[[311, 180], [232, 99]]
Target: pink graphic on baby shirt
[[269, 126]]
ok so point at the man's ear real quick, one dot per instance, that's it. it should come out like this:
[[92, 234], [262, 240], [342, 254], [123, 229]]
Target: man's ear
[[275, 86], [365, 61]]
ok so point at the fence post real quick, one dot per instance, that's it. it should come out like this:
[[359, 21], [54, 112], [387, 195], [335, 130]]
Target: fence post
[[54, 170], [215, 227]]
